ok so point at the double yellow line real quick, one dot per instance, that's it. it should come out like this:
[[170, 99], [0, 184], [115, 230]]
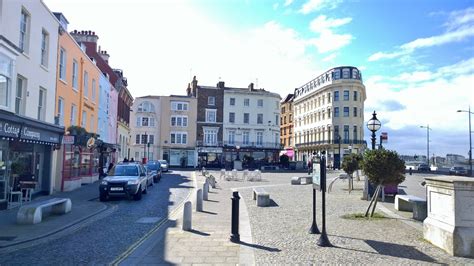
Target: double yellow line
[[140, 241]]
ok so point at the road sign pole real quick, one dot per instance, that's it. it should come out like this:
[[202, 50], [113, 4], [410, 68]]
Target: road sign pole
[[323, 239]]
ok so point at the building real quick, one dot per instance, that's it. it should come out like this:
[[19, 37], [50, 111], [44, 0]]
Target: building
[[286, 126], [145, 128], [28, 136], [210, 113], [329, 115], [251, 126], [454, 159], [117, 79], [108, 101], [77, 105], [178, 130]]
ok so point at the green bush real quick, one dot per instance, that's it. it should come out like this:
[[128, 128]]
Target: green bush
[[383, 167]]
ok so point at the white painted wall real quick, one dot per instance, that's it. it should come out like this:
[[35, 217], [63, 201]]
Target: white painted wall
[[155, 131], [28, 64]]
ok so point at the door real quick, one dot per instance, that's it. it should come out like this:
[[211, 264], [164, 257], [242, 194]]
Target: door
[[3, 179]]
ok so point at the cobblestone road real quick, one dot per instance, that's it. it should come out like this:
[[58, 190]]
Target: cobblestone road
[[102, 240]]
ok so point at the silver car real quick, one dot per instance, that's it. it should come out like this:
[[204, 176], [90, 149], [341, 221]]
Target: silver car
[[124, 179], [164, 165]]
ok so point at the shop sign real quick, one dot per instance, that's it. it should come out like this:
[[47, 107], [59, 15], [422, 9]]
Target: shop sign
[[215, 150], [39, 135], [68, 140], [9, 129], [90, 143]]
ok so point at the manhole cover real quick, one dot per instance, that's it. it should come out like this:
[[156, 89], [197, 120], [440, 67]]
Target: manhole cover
[[7, 238], [148, 220]]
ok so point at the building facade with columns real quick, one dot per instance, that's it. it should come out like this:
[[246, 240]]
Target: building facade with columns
[[329, 115]]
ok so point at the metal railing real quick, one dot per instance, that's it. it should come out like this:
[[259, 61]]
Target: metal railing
[[252, 144], [328, 142]]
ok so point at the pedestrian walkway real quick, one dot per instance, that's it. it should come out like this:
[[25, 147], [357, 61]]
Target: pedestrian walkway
[[84, 205]]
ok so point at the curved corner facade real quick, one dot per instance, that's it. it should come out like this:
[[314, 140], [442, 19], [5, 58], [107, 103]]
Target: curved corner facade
[[329, 115]]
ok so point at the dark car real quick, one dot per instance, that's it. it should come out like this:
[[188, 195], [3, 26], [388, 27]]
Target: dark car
[[423, 167], [124, 179], [155, 168], [457, 170]]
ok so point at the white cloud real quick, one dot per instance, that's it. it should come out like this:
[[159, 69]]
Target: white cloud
[[315, 5], [328, 40], [288, 2], [460, 26], [330, 57], [322, 23]]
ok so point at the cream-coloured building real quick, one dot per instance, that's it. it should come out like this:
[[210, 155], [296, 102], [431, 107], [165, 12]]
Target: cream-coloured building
[[329, 115], [178, 130], [145, 122]]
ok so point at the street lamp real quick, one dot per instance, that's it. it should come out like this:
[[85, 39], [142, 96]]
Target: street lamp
[[470, 139], [427, 143], [238, 148], [373, 125]]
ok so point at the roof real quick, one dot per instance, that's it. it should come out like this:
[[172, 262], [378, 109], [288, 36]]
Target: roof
[[100, 62]]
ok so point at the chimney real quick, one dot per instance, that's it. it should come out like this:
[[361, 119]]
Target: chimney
[[220, 84], [194, 85], [251, 86], [85, 37], [104, 55]]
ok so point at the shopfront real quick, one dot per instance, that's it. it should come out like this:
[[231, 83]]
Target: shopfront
[[210, 157], [252, 158], [26, 156], [180, 157]]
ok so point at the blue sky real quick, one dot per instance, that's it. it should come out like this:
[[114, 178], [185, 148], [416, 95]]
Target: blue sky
[[416, 57]]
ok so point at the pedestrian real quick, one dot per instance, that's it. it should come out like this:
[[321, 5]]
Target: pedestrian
[[125, 160], [110, 167], [132, 160], [410, 170], [310, 167]]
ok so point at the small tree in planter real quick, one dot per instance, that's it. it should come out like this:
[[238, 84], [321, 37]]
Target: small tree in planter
[[382, 167], [285, 160], [350, 164]]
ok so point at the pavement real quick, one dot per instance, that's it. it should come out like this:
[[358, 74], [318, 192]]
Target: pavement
[[277, 234]]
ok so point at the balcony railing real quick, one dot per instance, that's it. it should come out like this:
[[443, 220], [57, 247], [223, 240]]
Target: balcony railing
[[328, 142], [250, 144], [200, 143]]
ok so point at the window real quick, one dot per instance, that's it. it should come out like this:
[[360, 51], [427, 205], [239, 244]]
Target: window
[[246, 138], [91, 129], [86, 84], [329, 97], [345, 73], [139, 119], [137, 139], [277, 120], [93, 90], [283, 110], [259, 138], [232, 101], [231, 137], [246, 118], [147, 107], [260, 103], [346, 95], [337, 74], [179, 106], [246, 102], [210, 137], [151, 139], [24, 31], [259, 118], [211, 100], [179, 121], [336, 96], [277, 105], [354, 133], [231, 117], [355, 74], [73, 121], [329, 113], [346, 134], [355, 95], [62, 64], [74, 74], [20, 97], [346, 111], [61, 111], [144, 139], [44, 48], [42, 104], [211, 115], [355, 111], [84, 119], [336, 133], [336, 111]]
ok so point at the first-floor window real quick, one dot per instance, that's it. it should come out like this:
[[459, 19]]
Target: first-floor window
[[73, 121], [246, 138], [84, 119], [61, 111], [144, 139], [179, 138], [355, 111], [259, 138], [42, 104], [231, 137], [210, 137], [354, 133], [346, 133], [4, 90], [20, 95], [137, 139]]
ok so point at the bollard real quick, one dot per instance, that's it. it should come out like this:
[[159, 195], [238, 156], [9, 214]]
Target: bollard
[[205, 191], [235, 237], [187, 216], [199, 200]]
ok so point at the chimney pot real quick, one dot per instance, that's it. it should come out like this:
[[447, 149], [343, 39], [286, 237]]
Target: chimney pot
[[90, 32], [251, 86], [93, 33]]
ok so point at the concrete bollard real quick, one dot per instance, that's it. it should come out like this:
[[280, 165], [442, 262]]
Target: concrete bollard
[[205, 191], [199, 200], [187, 216]]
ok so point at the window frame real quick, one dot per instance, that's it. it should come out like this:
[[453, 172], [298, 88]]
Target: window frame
[[208, 115], [44, 48], [42, 104], [211, 100]]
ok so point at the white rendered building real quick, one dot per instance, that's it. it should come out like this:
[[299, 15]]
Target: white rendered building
[[329, 115], [145, 124]]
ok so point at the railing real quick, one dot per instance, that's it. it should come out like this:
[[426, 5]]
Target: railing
[[200, 143], [251, 144], [326, 142]]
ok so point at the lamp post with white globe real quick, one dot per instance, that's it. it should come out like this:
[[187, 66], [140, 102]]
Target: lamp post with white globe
[[373, 125]]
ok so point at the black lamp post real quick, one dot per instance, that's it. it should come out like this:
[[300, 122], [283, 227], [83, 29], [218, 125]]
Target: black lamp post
[[238, 157], [373, 125], [470, 139], [427, 143]]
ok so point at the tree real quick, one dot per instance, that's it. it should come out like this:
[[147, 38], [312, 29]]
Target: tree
[[382, 167], [284, 160], [350, 164]]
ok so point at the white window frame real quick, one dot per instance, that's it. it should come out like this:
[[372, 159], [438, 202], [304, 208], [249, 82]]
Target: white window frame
[[259, 119], [75, 70], [208, 115], [20, 102], [231, 137], [42, 104], [178, 135], [61, 111], [259, 138], [84, 119], [260, 103], [230, 116], [211, 100], [232, 101], [44, 48], [179, 106], [73, 118], [25, 19], [246, 102], [62, 64], [248, 120], [246, 137], [210, 136], [179, 121], [94, 91]]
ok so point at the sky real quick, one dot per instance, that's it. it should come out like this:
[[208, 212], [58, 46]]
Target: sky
[[416, 56]]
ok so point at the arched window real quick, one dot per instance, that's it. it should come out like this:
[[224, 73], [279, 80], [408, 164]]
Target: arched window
[[146, 107]]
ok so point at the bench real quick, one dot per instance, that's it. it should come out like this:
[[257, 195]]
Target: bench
[[301, 180], [33, 213], [262, 197], [406, 202]]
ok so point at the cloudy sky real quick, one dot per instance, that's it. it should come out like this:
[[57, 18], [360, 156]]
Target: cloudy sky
[[416, 56]]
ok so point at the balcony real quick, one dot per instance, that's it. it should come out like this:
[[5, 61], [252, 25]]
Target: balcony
[[200, 143], [262, 145], [330, 142]]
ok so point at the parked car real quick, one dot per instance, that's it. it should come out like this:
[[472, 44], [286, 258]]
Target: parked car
[[423, 167], [457, 170], [149, 176], [124, 179], [155, 168], [164, 165]]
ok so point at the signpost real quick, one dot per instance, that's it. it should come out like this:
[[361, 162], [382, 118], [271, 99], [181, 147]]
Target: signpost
[[316, 181], [323, 239]]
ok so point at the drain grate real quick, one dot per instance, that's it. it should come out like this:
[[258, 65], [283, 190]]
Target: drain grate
[[7, 238], [148, 220]]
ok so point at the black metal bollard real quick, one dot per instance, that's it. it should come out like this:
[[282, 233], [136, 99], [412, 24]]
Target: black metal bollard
[[235, 237]]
